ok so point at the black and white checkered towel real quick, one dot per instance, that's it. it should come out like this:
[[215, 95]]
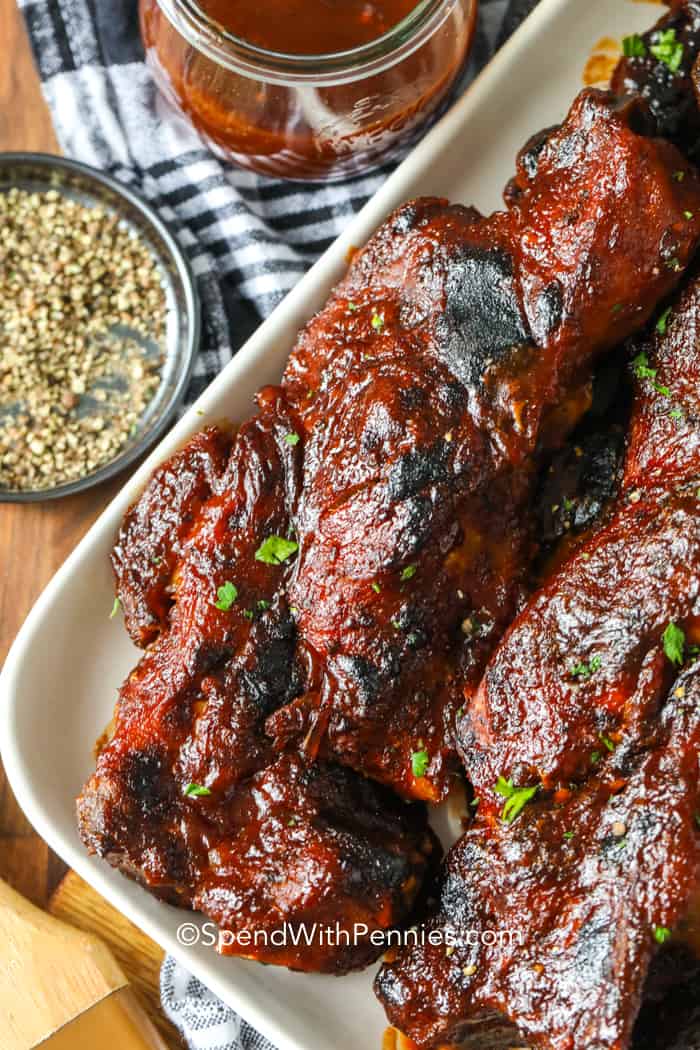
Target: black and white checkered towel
[[250, 238]]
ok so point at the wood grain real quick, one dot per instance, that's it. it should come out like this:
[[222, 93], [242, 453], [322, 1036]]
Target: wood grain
[[140, 958], [34, 540]]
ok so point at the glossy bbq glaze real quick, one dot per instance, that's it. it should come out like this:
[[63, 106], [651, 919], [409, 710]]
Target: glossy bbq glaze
[[587, 703], [546, 927], [393, 472], [427, 420], [581, 744], [188, 796], [666, 85], [307, 27]]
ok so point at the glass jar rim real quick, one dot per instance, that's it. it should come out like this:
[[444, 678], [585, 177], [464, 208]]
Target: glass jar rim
[[332, 68]]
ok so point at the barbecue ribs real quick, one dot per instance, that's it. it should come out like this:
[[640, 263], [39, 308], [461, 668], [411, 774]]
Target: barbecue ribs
[[326, 585], [454, 351], [587, 714], [188, 795]]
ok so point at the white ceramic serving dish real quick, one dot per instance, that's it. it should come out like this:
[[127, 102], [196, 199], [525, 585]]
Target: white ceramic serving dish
[[58, 685]]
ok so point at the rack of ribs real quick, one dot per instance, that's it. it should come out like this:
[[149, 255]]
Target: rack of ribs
[[318, 592]]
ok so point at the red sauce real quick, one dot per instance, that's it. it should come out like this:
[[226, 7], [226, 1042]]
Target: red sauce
[[303, 130], [307, 27]]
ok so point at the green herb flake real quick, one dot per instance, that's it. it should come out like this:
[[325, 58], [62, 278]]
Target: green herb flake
[[292, 439], [633, 46], [376, 588], [668, 49], [275, 550], [595, 757], [607, 742], [640, 366], [662, 323], [475, 802], [582, 670], [408, 573], [116, 606], [679, 176], [674, 643], [569, 835], [263, 604], [516, 798], [661, 934], [248, 614], [352, 308], [568, 505], [689, 215], [226, 596], [420, 760], [676, 414], [377, 322], [196, 791], [618, 308]]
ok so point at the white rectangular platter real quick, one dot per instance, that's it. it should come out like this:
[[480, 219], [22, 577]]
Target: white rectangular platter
[[59, 683]]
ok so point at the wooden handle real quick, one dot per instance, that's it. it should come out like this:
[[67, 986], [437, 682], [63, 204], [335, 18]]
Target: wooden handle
[[49, 973], [117, 1022]]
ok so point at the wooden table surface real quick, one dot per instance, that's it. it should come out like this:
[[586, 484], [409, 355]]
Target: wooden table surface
[[34, 540]]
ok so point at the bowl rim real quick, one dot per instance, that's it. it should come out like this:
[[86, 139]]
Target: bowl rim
[[191, 309]]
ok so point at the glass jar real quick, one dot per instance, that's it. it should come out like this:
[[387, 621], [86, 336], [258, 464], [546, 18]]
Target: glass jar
[[318, 117]]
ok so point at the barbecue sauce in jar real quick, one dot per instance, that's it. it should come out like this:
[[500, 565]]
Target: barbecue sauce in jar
[[308, 89]]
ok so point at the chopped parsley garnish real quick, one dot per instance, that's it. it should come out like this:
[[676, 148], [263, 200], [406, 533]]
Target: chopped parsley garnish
[[475, 802], [595, 757], [353, 308], [668, 49], [396, 625], [607, 742], [676, 414], [640, 364], [568, 505], [263, 604], [226, 596], [115, 607], [276, 549], [248, 614], [420, 761], [674, 264], [377, 322], [688, 215], [376, 588], [292, 439], [569, 834], [516, 798], [196, 791], [633, 46], [661, 934], [409, 572], [674, 643], [662, 323], [617, 308], [679, 176], [582, 670]]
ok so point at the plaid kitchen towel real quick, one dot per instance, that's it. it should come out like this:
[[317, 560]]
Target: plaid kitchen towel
[[249, 238]]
